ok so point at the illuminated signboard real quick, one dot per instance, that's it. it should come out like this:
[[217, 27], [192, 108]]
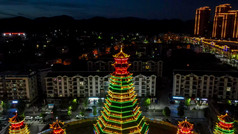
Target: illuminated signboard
[[10, 34], [178, 97], [15, 102]]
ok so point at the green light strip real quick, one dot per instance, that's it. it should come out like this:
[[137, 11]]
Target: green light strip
[[120, 107], [122, 116], [124, 93], [130, 84], [113, 96], [106, 110], [226, 122], [124, 122], [115, 77], [115, 81], [117, 111], [120, 88], [119, 102], [96, 129], [100, 128]]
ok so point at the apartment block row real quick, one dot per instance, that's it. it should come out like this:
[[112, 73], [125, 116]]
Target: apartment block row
[[136, 66], [88, 84], [205, 84]]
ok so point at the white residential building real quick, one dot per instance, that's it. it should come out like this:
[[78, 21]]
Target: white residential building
[[84, 84], [223, 85]]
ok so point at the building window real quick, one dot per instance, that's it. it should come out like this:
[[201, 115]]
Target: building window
[[228, 89]]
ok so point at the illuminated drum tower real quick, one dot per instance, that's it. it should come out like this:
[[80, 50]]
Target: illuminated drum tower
[[121, 113], [17, 125]]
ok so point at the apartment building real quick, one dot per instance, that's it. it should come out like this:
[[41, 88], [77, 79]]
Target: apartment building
[[15, 86], [202, 18], [136, 66], [91, 84], [225, 22], [205, 84]]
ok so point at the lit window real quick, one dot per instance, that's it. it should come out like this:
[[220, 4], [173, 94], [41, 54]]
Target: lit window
[[228, 89]]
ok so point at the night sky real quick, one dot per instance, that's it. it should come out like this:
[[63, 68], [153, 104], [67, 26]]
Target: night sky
[[82, 9]]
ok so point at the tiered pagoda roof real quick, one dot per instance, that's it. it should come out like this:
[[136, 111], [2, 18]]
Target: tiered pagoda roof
[[17, 125], [225, 125], [185, 127], [57, 127]]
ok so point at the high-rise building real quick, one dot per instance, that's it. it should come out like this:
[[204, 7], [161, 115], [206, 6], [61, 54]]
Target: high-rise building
[[202, 18], [18, 126], [121, 113], [225, 24]]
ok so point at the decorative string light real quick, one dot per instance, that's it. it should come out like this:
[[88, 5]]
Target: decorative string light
[[57, 127], [121, 113], [225, 125], [185, 127], [17, 125]]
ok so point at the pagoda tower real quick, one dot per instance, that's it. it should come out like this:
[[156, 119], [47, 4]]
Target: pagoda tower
[[225, 125], [17, 125], [57, 127], [121, 113], [185, 127]]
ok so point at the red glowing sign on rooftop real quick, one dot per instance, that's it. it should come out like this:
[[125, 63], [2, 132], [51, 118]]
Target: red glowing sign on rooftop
[[10, 34]]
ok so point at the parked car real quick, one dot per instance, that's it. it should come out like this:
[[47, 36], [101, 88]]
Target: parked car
[[28, 118], [38, 118]]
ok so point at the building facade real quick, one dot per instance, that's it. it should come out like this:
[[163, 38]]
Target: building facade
[[136, 66], [205, 85], [81, 84], [18, 86], [202, 18], [225, 24]]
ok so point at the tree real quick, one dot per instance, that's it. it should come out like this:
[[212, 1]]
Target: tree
[[82, 112], [85, 102], [43, 115], [54, 110], [180, 111], [166, 111], [100, 103], [147, 102], [187, 102], [21, 107], [94, 110], [69, 113], [74, 105]]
